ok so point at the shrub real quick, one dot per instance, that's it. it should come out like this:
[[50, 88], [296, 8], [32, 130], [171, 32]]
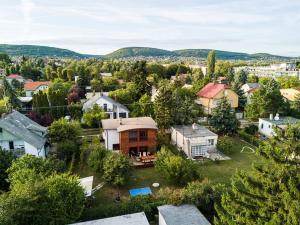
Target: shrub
[[252, 129], [175, 168], [250, 138], [66, 149], [225, 145], [96, 157]]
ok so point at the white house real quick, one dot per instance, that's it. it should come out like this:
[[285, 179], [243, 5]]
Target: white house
[[194, 140], [114, 109], [33, 87], [21, 135], [249, 88], [180, 215], [129, 219], [266, 125]]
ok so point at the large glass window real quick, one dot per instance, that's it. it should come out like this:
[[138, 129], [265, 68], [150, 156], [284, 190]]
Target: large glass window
[[198, 150], [143, 135], [133, 135]]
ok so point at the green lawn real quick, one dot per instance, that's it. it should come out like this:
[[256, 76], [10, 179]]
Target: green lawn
[[216, 172]]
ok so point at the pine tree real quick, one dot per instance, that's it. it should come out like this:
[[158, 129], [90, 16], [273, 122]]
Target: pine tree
[[269, 194], [223, 119], [163, 107], [237, 88]]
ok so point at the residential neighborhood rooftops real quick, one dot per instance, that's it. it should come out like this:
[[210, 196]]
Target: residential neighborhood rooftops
[[194, 130], [89, 103], [24, 128], [182, 215], [130, 219], [32, 86], [211, 90], [129, 123]]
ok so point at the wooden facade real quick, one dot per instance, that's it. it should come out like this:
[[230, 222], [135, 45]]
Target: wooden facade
[[134, 141]]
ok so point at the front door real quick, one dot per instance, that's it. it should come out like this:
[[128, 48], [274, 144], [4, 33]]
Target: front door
[[11, 145]]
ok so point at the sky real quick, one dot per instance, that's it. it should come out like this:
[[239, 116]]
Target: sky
[[102, 26]]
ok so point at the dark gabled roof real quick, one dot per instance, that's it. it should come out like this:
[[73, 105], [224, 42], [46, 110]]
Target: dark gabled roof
[[24, 128]]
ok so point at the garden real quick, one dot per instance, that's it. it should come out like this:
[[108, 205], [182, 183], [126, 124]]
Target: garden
[[217, 172]]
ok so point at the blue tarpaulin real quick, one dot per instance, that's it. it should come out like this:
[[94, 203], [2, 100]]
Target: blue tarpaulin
[[140, 191]]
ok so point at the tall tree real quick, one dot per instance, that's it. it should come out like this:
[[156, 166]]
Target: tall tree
[[266, 100], [211, 62], [270, 192], [163, 107], [237, 88], [223, 120]]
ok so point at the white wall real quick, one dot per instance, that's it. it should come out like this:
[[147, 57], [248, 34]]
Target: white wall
[[265, 128], [110, 137], [161, 220], [31, 150]]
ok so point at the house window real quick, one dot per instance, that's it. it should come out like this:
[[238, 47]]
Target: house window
[[105, 107], [116, 147], [122, 115], [143, 135], [133, 135], [262, 126], [198, 150], [11, 145], [211, 141]]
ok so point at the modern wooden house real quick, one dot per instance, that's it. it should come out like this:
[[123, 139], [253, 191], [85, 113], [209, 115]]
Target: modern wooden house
[[133, 136]]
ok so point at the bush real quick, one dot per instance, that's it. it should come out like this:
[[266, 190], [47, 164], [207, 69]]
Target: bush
[[66, 149], [225, 145], [250, 138], [175, 168], [252, 129], [96, 157]]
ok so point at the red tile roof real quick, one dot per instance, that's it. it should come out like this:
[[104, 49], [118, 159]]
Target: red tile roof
[[211, 90], [32, 86], [14, 76]]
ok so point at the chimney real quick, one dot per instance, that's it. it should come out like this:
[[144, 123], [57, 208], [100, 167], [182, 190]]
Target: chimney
[[271, 116]]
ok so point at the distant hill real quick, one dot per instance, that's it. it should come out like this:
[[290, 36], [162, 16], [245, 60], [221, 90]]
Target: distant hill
[[39, 51], [45, 51], [139, 52], [197, 53]]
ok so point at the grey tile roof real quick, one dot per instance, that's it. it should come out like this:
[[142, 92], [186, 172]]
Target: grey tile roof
[[189, 132], [24, 128], [94, 99], [182, 215]]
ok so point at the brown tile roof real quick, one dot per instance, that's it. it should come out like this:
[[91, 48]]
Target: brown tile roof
[[211, 90]]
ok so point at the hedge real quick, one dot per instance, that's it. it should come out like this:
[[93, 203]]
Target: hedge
[[249, 138]]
